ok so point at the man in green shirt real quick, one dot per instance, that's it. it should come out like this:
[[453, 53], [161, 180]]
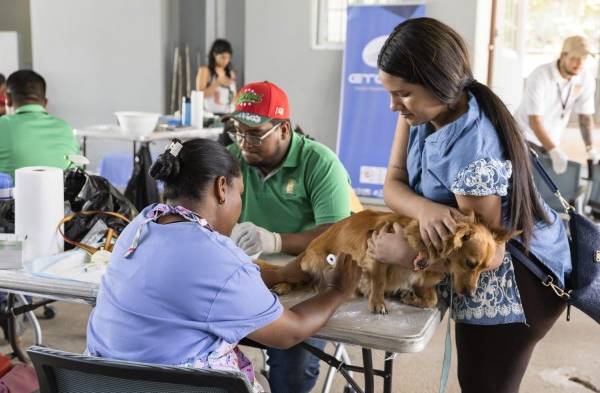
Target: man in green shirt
[[29, 136], [294, 189]]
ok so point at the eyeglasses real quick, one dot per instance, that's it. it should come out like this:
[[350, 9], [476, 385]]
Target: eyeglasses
[[250, 139]]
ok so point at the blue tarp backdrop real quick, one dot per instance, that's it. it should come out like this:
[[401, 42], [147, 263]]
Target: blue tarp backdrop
[[366, 123]]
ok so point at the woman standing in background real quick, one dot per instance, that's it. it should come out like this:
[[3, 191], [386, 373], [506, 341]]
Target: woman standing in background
[[217, 80]]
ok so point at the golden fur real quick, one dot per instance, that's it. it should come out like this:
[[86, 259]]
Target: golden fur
[[470, 250]]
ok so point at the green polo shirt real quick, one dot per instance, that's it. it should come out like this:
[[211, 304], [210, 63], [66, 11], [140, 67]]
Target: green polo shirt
[[32, 137], [310, 188]]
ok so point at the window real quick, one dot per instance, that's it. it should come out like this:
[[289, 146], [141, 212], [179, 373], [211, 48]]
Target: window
[[330, 17], [549, 22], [511, 24]]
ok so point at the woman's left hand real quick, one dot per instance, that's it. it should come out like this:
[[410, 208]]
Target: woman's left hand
[[388, 245]]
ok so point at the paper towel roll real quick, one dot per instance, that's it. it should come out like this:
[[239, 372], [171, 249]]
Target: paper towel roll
[[197, 108], [39, 207]]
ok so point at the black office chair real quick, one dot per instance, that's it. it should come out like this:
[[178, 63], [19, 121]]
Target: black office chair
[[569, 184], [594, 194], [64, 372]]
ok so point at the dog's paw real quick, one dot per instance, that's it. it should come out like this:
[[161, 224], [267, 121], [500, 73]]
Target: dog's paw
[[283, 288], [378, 308], [409, 298], [412, 299]]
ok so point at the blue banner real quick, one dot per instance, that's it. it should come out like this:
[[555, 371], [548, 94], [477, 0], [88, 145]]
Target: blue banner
[[366, 123]]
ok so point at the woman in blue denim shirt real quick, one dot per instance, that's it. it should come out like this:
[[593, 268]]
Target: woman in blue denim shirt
[[458, 147]]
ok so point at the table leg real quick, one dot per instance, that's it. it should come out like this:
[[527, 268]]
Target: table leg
[[339, 365], [12, 329], [368, 366], [345, 369], [388, 369]]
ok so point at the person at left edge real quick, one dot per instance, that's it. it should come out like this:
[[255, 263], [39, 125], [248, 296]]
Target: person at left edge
[[29, 136]]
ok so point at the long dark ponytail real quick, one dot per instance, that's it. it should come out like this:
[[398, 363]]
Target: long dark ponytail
[[427, 52]]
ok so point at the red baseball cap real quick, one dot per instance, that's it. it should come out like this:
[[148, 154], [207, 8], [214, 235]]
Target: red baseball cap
[[260, 102]]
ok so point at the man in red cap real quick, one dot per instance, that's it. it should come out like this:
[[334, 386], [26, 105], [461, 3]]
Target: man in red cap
[[294, 188]]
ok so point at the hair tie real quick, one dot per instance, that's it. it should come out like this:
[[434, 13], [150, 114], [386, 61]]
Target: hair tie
[[469, 83], [175, 147]]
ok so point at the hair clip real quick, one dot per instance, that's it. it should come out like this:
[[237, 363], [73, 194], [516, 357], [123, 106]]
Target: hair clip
[[175, 147]]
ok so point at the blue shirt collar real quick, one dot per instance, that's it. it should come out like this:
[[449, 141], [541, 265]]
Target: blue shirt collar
[[446, 135]]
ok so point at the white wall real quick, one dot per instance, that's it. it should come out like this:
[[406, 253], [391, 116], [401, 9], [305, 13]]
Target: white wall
[[471, 19], [9, 47], [99, 57], [235, 33], [278, 48], [14, 16]]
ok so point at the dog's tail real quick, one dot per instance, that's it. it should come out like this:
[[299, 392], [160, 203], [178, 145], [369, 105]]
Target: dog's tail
[[263, 265]]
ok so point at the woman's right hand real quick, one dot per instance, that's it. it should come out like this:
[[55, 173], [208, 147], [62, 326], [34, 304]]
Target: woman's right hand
[[345, 276], [437, 222], [304, 319], [389, 245], [222, 79]]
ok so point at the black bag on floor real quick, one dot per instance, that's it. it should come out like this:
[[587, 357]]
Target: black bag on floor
[[7, 216]]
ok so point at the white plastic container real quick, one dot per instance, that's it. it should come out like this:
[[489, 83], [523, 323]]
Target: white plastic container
[[138, 123]]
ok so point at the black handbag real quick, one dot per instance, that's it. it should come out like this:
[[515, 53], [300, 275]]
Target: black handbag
[[582, 288]]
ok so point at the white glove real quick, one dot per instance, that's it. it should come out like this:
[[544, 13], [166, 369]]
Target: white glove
[[559, 160], [593, 155], [255, 240]]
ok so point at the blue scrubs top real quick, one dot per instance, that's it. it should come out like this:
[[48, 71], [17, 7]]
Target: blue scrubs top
[[466, 157], [184, 292]]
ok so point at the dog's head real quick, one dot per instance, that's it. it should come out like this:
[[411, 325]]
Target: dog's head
[[471, 250]]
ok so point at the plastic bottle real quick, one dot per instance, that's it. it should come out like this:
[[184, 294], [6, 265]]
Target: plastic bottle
[[186, 112]]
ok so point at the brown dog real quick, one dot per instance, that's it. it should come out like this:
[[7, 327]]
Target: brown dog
[[469, 251]]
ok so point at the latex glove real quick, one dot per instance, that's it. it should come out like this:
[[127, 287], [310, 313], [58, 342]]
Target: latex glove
[[593, 155], [255, 240], [559, 160]]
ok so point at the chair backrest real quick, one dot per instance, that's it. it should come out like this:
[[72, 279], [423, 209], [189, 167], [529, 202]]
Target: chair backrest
[[569, 182], [594, 200], [64, 372]]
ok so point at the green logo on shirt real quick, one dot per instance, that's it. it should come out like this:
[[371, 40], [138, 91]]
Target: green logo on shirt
[[290, 187]]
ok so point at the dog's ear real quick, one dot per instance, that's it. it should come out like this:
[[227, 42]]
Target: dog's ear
[[462, 234], [502, 235]]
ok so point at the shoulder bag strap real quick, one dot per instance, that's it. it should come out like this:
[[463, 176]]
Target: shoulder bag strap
[[549, 182]]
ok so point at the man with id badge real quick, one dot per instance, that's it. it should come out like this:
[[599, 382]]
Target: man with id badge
[[552, 92]]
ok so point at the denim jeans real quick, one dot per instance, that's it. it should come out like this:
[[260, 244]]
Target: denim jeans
[[294, 370]]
